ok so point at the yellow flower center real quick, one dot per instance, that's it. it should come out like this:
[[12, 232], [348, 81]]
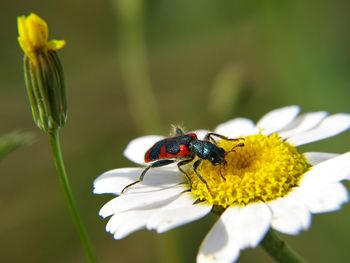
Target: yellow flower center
[[264, 169]]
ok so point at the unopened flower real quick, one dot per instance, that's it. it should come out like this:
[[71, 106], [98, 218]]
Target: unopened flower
[[43, 73], [34, 36], [266, 184]]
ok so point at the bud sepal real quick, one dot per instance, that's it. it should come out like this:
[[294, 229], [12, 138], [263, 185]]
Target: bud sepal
[[46, 90]]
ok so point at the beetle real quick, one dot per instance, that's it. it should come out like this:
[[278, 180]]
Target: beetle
[[183, 148]]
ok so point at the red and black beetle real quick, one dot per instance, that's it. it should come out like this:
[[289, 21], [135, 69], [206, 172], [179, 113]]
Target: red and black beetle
[[184, 148]]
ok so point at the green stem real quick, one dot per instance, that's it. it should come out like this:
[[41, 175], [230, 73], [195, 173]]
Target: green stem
[[279, 250], [133, 59], [61, 171]]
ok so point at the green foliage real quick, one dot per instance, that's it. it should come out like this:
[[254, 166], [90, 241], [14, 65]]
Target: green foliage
[[13, 141]]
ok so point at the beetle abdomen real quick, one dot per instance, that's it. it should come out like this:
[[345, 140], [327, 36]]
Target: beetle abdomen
[[175, 147]]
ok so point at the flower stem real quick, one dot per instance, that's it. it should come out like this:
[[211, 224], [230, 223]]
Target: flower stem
[[279, 249], [61, 171], [133, 60]]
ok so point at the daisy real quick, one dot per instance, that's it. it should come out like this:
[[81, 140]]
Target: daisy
[[266, 184]]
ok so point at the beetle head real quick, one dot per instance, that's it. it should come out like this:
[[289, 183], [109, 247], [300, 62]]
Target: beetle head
[[217, 156]]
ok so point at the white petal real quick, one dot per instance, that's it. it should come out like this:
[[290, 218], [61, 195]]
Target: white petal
[[217, 246], [289, 215], [179, 212], [277, 119], [201, 133], [114, 181], [149, 199], [329, 127], [236, 229], [314, 158], [136, 149], [303, 123], [323, 198], [236, 128], [330, 171], [123, 224]]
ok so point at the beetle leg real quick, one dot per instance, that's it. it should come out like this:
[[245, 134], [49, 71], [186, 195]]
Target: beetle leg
[[155, 164], [182, 163], [209, 137], [195, 166]]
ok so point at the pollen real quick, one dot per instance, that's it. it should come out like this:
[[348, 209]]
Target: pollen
[[265, 168]]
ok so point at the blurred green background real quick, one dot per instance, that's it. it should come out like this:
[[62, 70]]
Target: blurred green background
[[206, 61]]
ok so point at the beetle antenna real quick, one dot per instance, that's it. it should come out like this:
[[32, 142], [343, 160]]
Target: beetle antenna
[[234, 147], [221, 173]]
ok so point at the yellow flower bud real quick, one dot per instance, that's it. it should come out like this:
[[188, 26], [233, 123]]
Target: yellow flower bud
[[43, 73], [34, 34]]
